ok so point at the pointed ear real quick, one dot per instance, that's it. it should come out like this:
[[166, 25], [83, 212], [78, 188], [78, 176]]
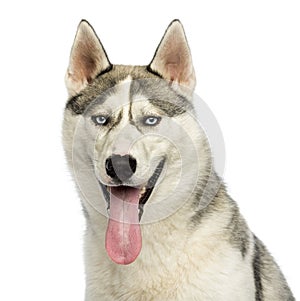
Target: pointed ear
[[87, 59], [172, 59]]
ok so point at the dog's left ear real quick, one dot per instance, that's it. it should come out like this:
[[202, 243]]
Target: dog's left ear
[[87, 59], [172, 59]]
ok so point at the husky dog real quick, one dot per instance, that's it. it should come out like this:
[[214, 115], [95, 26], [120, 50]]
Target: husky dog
[[159, 222]]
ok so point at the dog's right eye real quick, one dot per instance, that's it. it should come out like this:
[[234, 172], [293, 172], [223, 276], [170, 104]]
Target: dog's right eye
[[100, 120]]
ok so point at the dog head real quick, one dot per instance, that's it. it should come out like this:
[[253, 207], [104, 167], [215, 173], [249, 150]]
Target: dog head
[[131, 131]]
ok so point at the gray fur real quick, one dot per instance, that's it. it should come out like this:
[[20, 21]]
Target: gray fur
[[257, 271], [162, 96], [205, 249], [269, 280]]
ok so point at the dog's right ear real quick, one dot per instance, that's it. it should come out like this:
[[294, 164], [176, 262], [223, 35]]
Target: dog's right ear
[[172, 59], [87, 59]]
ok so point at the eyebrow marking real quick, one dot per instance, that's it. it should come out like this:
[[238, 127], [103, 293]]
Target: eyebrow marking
[[95, 93], [170, 108], [74, 105], [130, 111], [118, 119], [115, 123]]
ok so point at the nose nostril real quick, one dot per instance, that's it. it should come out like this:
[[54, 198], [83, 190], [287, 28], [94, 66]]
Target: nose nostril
[[132, 164], [109, 168], [120, 167]]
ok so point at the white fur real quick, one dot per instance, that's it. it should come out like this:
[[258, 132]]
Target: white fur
[[175, 264], [182, 258], [176, 261]]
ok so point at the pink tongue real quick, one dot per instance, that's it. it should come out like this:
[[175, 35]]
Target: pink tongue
[[123, 235]]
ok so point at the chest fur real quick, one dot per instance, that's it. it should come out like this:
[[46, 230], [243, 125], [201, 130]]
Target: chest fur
[[172, 266]]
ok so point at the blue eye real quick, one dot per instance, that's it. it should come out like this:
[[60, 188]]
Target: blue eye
[[100, 120], [151, 120]]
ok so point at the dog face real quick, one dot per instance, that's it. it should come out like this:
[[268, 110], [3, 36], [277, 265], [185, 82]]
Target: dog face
[[128, 128]]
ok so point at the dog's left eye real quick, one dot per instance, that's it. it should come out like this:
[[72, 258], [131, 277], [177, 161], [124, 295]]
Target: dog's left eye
[[100, 120], [151, 120]]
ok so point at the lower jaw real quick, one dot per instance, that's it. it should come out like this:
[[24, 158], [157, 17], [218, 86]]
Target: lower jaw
[[125, 209]]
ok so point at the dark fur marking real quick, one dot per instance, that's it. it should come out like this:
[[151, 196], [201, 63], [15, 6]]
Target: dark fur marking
[[130, 117], [160, 94], [80, 102], [257, 270], [136, 126], [207, 191], [131, 121], [238, 233], [214, 193], [152, 71], [73, 105], [144, 83], [169, 108], [105, 70], [118, 119], [97, 90], [115, 122], [103, 49]]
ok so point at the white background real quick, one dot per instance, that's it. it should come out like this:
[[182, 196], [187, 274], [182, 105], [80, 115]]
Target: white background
[[247, 60]]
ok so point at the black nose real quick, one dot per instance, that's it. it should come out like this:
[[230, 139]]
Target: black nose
[[120, 167]]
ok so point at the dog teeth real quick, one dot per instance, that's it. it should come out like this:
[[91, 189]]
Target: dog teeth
[[143, 190]]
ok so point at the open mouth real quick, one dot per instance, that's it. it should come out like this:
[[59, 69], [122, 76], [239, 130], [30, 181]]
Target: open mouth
[[125, 206], [144, 192]]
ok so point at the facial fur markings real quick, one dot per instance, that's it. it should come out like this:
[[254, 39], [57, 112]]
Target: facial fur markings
[[141, 80], [74, 105], [169, 108], [220, 274]]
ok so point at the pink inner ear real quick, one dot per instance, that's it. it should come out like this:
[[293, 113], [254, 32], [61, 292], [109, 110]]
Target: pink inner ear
[[87, 59], [172, 59], [172, 70]]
